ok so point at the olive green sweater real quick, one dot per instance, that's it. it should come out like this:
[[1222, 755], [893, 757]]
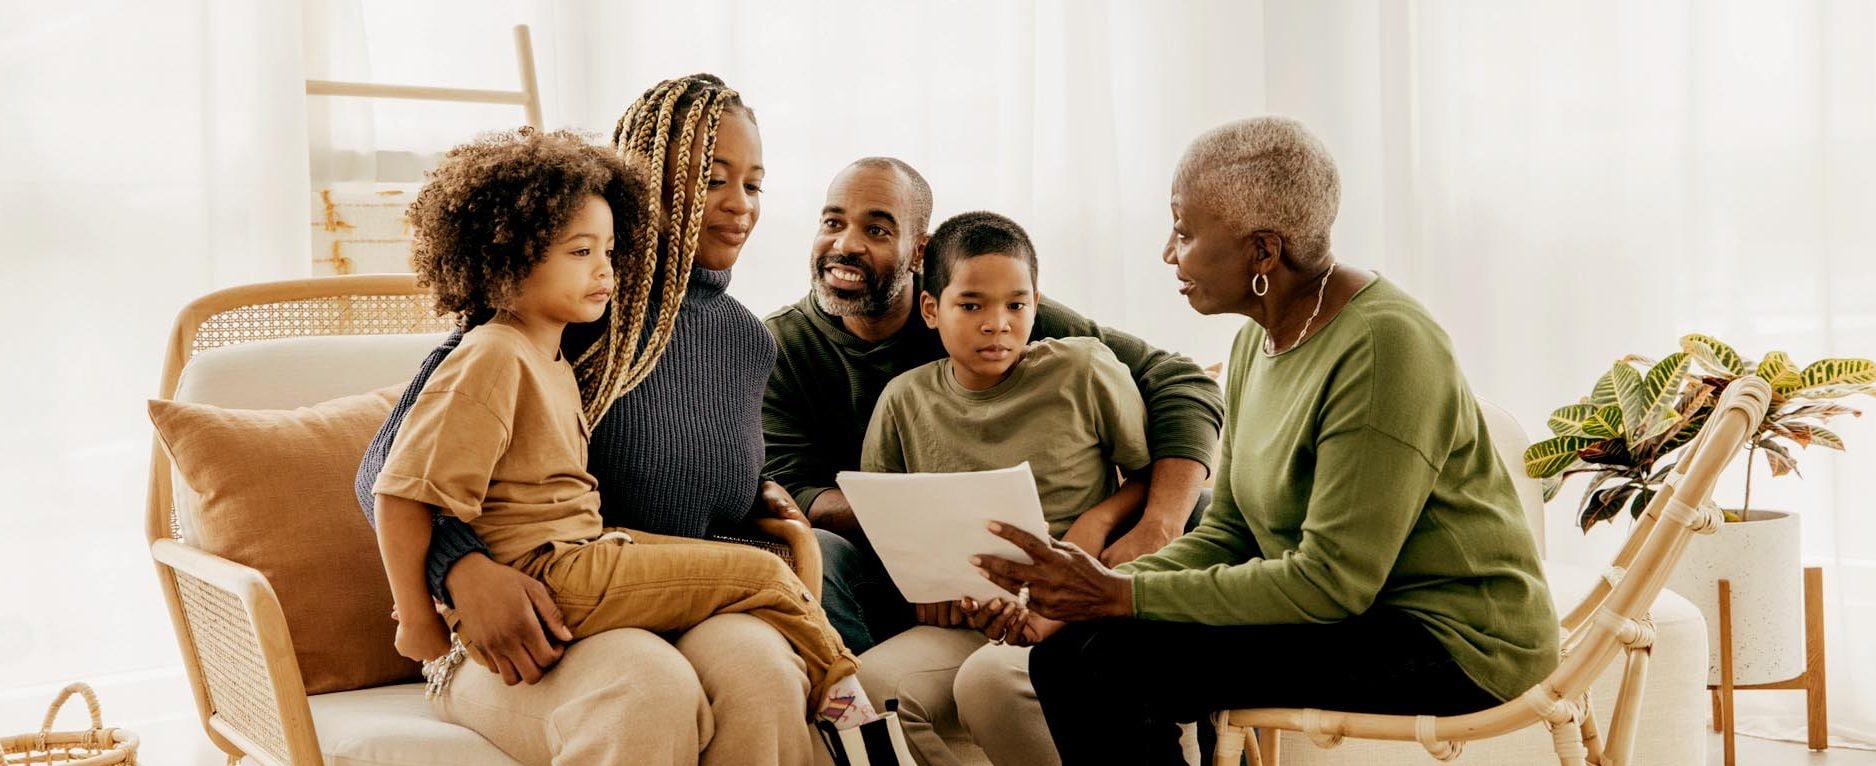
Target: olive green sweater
[[1356, 473]]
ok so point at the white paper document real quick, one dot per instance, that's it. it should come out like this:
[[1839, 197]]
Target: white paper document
[[927, 526]]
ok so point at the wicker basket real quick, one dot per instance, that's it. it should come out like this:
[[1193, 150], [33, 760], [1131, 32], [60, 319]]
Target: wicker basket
[[97, 747]]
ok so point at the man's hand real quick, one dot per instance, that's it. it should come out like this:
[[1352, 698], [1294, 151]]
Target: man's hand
[[943, 614], [423, 637], [503, 613], [774, 502], [1172, 489], [1089, 533], [832, 513], [1144, 538]]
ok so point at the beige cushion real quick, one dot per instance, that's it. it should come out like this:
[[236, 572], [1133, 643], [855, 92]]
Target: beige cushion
[[1672, 730], [1510, 441], [292, 372], [394, 726], [295, 372], [276, 495]]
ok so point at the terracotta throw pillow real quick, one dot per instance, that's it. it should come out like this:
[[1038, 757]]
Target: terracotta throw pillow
[[276, 495]]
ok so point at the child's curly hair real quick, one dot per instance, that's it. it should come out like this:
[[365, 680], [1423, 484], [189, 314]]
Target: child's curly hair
[[493, 205]]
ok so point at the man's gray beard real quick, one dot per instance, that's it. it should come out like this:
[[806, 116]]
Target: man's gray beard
[[874, 303]]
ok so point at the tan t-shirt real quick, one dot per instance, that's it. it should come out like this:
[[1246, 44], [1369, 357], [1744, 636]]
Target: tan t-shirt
[[497, 440], [1069, 408]]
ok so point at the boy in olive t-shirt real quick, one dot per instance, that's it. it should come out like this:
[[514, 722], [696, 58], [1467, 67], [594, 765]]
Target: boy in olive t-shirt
[[1065, 405]]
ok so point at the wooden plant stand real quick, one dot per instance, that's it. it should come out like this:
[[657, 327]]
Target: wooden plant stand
[[1817, 723]]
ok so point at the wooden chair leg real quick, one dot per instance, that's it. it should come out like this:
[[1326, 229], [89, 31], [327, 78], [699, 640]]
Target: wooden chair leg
[[1726, 672], [1229, 749], [1267, 741], [1816, 713]]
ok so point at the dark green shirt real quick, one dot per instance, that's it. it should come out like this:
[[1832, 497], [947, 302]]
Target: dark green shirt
[[826, 382], [1357, 473]]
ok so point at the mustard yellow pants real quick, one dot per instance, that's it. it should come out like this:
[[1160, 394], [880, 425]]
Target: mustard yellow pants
[[666, 585]]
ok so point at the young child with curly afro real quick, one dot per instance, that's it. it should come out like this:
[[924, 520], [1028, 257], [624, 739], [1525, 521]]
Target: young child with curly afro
[[520, 235]]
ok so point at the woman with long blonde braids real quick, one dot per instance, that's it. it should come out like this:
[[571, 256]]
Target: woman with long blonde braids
[[671, 380]]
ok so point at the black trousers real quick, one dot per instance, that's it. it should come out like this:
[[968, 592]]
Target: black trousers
[[1115, 691]]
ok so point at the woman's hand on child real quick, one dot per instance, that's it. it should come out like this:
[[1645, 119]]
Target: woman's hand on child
[[423, 638], [772, 500], [509, 616]]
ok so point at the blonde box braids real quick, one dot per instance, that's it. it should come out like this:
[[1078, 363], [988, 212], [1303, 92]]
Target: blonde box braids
[[618, 361]]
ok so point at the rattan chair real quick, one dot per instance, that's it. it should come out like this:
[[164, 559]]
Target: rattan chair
[[230, 626], [1612, 620]]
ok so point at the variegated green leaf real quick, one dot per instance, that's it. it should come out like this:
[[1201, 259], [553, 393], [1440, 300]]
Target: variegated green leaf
[[1605, 424], [1631, 392], [1640, 503], [1776, 369], [1604, 504], [1824, 437], [1826, 373], [1835, 392], [1550, 456], [1550, 485], [1820, 410], [1663, 385], [1778, 457], [1689, 429], [1603, 394], [1798, 433], [1568, 419], [1716, 357]]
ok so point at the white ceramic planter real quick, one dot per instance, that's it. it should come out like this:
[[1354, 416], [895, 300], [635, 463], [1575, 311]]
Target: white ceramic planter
[[1760, 559]]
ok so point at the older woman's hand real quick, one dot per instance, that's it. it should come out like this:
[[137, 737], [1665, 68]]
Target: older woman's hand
[[1064, 583]]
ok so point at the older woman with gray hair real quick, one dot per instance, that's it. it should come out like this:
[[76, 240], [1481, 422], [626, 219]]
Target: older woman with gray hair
[[1364, 549]]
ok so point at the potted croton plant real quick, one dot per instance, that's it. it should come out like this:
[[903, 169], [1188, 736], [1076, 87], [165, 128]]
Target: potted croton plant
[[1628, 433]]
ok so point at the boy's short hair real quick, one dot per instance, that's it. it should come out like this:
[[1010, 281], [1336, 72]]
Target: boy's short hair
[[492, 207], [969, 235]]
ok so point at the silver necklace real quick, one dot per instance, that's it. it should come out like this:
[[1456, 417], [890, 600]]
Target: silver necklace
[[1270, 347]]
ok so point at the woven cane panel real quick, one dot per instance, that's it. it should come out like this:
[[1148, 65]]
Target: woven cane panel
[[229, 654], [342, 315]]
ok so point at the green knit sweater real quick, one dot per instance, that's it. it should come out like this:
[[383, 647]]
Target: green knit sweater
[[827, 381], [1357, 473]]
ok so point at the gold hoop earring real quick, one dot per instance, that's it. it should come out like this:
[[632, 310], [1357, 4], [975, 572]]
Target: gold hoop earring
[[1259, 288]]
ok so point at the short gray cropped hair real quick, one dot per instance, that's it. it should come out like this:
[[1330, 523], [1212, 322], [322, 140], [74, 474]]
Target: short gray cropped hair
[[1267, 173]]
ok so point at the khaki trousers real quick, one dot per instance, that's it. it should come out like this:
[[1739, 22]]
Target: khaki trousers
[[728, 692], [952, 683], [630, 579]]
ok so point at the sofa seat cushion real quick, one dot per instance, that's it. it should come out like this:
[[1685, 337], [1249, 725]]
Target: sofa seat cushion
[[394, 726]]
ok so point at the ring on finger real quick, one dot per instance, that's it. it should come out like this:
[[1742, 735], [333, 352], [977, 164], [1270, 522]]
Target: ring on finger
[[1022, 597]]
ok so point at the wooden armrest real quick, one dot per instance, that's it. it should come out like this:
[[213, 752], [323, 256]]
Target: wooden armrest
[[238, 653], [791, 540]]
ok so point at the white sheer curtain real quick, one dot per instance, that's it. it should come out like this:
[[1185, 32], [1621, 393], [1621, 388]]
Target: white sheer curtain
[[1066, 116], [130, 182]]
